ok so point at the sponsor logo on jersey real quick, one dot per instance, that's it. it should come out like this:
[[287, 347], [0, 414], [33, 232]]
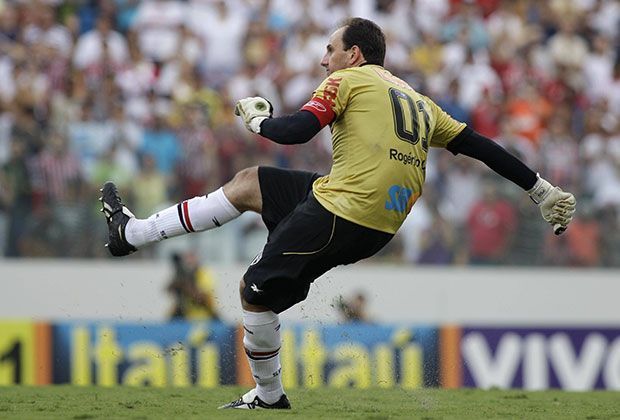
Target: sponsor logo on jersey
[[330, 92], [316, 105], [321, 108], [400, 199]]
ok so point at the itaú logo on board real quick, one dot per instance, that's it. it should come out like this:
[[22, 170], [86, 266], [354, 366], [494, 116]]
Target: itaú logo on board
[[572, 359]]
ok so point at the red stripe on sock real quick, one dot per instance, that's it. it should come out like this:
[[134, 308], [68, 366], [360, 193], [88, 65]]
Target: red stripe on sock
[[261, 355], [186, 216]]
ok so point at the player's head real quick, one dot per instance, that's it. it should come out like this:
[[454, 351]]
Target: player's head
[[356, 41]]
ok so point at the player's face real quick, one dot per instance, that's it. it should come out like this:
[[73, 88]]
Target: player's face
[[336, 57]]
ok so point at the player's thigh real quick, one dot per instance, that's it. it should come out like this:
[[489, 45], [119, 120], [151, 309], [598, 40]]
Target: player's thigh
[[282, 190], [281, 276], [308, 243]]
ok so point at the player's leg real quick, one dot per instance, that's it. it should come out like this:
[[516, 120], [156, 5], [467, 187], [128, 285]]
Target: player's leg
[[128, 233], [282, 192], [307, 243], [273, 283], [262, 343]]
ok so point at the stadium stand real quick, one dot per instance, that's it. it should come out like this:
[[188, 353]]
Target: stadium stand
[[142, 93]]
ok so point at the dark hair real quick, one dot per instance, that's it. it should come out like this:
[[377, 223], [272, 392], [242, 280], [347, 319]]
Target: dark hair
[[367, 36]]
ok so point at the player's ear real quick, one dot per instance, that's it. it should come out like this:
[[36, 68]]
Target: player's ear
[[355, 54]]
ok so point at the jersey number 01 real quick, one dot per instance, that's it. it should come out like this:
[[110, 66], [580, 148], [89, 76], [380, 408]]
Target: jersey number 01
[[400, 100]]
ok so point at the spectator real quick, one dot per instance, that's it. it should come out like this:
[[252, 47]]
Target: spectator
[[162, 143], [528, 247], [427, 57], [560, 151], [505, 64], [612, 92], [193, 289], [73, 215], [467, 20], [102, 47], [157, 22], [106, 168], [55, 169], [45, 29], [26, 129], [89, 138], [149, 188], [527, 112], [198, 167], [353, 309], [9, 24], [222, 30], [411, 233], [15, 198], [429, 15], [491, 225], [304, 49], [598, 68], [609, 218], [126, 138], [475, 77], [437, 245], [600, 151], [584, 239], [486, 115]]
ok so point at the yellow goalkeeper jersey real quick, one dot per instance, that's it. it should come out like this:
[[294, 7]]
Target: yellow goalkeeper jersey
[[381, 130]]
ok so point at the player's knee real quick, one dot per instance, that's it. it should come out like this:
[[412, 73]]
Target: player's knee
[[243, 191], [247, 306]]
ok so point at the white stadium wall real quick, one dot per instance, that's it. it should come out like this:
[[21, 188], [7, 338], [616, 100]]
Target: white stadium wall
[[56, 290]]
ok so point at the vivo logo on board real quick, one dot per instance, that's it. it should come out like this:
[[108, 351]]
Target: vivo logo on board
[[570, 359]]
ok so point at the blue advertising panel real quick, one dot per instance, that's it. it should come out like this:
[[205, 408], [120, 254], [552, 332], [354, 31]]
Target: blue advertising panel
[[359, 355], [170, 354], [577, 359]]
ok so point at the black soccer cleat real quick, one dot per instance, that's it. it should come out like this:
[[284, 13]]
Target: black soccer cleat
[[117, 216], [250, 401]]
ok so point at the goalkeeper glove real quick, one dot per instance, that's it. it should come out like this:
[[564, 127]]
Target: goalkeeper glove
[[557, 207], [254, 111]]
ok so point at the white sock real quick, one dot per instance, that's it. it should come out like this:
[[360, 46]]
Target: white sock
[[194, 215], [262, 346]]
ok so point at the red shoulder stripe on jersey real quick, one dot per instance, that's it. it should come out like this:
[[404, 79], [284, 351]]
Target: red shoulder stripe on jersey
[[321, 108]]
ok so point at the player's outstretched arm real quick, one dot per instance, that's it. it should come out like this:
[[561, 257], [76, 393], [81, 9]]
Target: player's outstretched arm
[[296, 128], [556, 206]]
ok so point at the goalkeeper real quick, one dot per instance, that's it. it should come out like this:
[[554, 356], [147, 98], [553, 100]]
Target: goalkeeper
[[382, 131]]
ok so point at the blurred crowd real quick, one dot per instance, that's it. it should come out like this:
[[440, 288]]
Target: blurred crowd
[[141, 92]]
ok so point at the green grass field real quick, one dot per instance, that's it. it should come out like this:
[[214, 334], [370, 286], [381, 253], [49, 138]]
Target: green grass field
[[71, 402]]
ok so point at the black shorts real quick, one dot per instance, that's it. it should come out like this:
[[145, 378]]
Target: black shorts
[[305, 240]]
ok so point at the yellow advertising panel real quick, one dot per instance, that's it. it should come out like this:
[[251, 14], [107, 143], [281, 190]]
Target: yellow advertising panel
[[17, 350]]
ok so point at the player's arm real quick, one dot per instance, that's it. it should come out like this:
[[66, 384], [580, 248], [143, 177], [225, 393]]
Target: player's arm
[[472, 144], [328, 100], [557, 207], [296, 128]]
